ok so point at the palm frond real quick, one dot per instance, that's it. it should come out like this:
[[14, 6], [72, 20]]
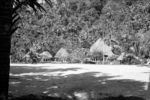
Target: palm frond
[[31, 3], [12, 31], [15, 20], [49, 3], [18, 4], [34, 4]]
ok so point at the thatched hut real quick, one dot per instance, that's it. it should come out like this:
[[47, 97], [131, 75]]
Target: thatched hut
[[100, 47], [45, 56], [62, 55]]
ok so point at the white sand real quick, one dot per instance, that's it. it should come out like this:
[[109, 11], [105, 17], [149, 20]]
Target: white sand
[[132, 72]]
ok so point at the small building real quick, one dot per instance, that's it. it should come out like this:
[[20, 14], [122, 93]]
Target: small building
[[100, 47], [45, 56], [62, 55]]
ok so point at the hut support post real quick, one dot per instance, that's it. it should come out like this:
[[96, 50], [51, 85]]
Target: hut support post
[[148, 84], [103, 59]]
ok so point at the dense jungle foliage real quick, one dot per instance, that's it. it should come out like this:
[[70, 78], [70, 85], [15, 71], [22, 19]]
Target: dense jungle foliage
[[76, 24]]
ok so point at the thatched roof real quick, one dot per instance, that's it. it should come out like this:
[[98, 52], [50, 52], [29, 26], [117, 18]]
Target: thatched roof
[[101, 47], [62, 53], [45, 54]]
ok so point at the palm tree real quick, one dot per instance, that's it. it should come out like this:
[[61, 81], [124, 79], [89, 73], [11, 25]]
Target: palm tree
[[8, 19]]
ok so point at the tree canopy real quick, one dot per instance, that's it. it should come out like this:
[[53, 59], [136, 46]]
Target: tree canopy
[[75, 24]]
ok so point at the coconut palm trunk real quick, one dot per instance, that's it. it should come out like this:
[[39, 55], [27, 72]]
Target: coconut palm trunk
[[148, 90], [8, 18], [5, 27], [4, 66]]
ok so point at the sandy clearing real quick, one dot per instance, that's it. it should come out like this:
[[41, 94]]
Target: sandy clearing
[[132, 72]]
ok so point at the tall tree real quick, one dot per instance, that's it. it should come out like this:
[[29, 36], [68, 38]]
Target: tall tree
[[8, 21]]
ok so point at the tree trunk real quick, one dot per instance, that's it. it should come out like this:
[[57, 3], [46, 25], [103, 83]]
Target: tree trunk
[[4, 66], [148, 90], [5, 28]]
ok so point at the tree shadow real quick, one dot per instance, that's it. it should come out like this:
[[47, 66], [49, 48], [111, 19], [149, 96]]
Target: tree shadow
[[43, 97]]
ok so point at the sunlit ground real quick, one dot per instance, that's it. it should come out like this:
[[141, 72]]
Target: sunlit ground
[[66, 79]]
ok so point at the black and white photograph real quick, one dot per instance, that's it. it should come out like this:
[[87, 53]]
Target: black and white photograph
[[74, 49]]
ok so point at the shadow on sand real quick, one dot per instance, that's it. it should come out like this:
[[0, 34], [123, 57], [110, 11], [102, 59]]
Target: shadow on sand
[[42, 97]]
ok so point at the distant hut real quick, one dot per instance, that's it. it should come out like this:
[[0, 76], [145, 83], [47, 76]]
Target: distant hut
[[62, 55], [45, 56], [100, 47]]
